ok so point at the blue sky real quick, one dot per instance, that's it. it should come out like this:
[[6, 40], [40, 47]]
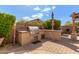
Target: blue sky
[[30, 12]]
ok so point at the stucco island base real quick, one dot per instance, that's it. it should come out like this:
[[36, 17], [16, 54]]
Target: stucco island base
[[24, 37], [74, 36], [53, 35]]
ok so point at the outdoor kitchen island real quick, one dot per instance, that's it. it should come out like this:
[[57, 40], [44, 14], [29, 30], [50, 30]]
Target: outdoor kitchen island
[[25, 37], [51, 34]]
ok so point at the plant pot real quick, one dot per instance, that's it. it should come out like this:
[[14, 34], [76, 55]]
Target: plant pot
[[1, 40]]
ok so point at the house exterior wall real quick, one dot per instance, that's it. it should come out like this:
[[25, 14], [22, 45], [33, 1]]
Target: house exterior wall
[[21, 27]]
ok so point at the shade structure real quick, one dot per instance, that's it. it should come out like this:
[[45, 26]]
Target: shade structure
[[75, 18]]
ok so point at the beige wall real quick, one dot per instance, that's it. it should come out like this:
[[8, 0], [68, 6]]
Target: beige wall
[[53, 34], [65, 28], [24, 38]]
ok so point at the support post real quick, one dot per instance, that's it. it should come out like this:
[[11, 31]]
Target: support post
[[14, 34], [73, 26], [52, 24], [73, 34]]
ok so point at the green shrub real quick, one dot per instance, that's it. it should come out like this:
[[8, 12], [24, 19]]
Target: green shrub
[[6, 23], [57, 24], [68, 23], [47, 24]]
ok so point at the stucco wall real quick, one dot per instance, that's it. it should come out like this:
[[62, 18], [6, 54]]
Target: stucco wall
[[24, 38], [66, 29], [53, 34]]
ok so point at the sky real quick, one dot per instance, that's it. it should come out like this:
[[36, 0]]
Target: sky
[[43, 12]]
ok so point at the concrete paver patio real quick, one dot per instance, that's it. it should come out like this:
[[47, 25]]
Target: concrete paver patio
[[64, 46]]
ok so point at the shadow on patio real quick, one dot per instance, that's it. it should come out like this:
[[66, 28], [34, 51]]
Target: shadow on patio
[[74, 45], [30, 47], [17, 49], [66, 42]]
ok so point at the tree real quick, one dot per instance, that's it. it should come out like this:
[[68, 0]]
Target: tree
[[57, 24], [21, 22], [77, 23], [68, 23], [48, 24], [35, 22]]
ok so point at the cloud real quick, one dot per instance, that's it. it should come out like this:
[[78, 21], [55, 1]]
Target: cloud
[[37, 8], [46, 9], [53, 7], [39, 15], [47, 15], [27, 5], [27, 18], [35, 16]]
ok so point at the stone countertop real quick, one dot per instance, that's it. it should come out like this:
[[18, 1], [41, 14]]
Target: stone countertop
[[22, 31], [50, 30], [41, 30]]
